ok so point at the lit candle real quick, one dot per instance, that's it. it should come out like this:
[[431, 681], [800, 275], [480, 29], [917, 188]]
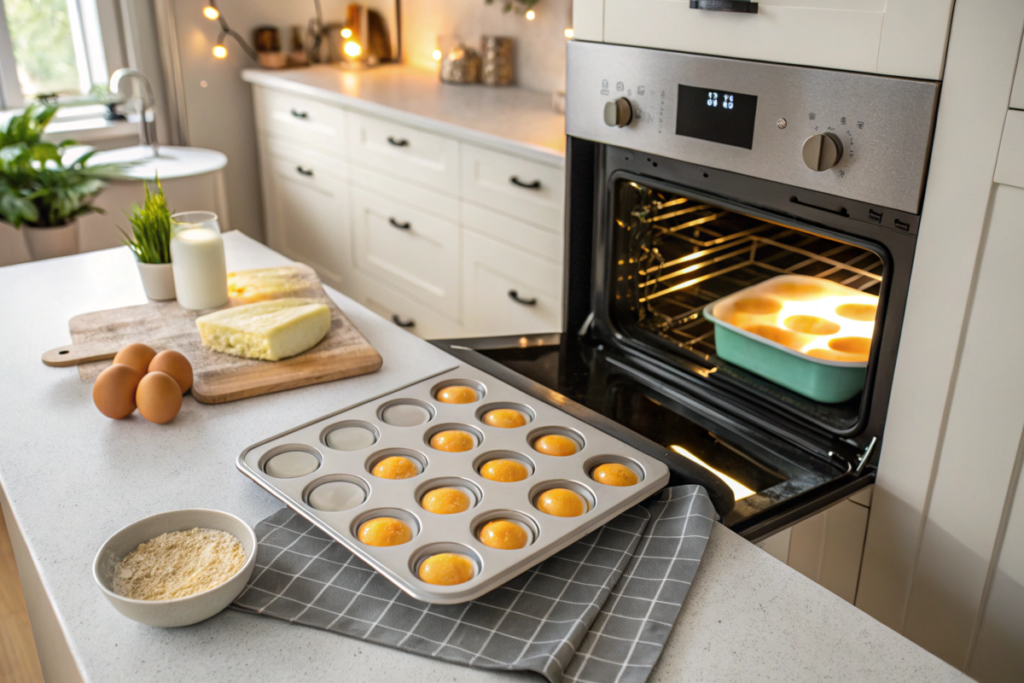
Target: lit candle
[[197, 258]]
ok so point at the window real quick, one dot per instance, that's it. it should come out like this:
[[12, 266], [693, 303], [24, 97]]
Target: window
[[56, 48]]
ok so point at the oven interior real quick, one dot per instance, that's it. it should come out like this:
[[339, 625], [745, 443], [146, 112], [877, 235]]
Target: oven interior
[[673, 254]]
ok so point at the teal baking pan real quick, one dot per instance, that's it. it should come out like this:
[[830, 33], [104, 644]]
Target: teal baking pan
[[819, 379]]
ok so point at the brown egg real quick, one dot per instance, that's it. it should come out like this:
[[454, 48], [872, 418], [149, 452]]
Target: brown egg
[[135, 356], [505, 418], [556, 444], [458, 394], [159, 397], [175, 365], [614, 474], [114, 391]]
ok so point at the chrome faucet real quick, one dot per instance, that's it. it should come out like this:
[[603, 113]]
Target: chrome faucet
[[147, 129]]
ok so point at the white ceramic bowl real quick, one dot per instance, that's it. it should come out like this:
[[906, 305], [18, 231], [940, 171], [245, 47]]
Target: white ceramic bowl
[[180, 611]]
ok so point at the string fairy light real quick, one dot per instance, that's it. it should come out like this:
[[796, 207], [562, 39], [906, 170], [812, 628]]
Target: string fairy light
[[220, 50]]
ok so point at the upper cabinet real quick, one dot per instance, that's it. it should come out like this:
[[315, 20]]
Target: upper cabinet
[[893, 37]]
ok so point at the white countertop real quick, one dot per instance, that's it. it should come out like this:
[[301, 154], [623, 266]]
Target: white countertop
[[507, 119], [72, 477]]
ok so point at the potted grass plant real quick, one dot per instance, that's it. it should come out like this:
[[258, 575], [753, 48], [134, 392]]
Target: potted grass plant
[[150, 241], [42, 193]]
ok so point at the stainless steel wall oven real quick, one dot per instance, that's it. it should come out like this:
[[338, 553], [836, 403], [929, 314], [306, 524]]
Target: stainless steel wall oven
[[697, 183]]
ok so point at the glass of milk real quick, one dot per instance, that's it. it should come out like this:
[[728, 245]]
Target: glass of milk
[[197, 258]]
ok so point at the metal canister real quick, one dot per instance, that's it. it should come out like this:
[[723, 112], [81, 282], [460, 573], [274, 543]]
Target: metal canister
[[498, 64], [461, 65]]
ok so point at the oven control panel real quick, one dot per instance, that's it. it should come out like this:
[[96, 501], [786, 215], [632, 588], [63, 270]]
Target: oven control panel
[[852, 135]]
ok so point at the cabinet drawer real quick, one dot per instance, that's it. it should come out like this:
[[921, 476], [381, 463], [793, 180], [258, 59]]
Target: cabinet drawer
[[897, 37], [386, 185], [410, 153], [406, 313], [543, 242], [414, 251], [507, 291], [307, 207], [310, 123], [525, 189]]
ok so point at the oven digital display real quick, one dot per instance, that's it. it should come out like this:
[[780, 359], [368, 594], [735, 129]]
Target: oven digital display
[[716, 115]]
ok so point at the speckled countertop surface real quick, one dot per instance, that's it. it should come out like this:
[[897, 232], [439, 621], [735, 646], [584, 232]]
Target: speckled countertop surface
[[72, 478], [507, 119]]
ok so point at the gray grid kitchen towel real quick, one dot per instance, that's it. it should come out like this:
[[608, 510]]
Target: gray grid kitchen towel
[[600, 610]]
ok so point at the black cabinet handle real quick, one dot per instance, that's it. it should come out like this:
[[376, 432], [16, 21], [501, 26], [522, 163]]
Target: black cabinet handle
[[300, 114], [398, 321], [398, 143], [535, 185], [303, 171], [401, 226], [725, 6], [514, 295]]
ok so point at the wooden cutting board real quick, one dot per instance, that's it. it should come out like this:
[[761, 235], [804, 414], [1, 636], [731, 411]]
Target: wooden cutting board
[[219, 378]]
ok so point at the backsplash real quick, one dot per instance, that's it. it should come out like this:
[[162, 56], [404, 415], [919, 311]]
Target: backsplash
[[540, 44]]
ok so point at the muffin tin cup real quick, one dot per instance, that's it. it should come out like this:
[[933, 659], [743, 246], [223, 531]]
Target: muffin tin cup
[[512, 500]]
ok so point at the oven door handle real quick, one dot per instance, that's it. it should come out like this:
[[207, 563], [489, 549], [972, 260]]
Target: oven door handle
[[742, 6], [514, 295]]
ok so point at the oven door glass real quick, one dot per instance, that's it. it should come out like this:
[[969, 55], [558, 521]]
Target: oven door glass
[[771, 310]]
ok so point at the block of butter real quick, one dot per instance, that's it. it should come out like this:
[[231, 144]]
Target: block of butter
[[252, 286], [269, 330]]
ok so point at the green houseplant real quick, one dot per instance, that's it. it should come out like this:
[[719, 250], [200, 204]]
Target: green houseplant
[[41, 190], [150, 241]]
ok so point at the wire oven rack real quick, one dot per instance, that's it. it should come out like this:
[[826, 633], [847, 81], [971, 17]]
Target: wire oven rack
[[685, 254]]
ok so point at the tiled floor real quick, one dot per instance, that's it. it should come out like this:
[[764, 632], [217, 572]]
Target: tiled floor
[[19, 662]]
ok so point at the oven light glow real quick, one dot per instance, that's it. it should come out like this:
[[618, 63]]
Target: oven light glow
[[739, 491]]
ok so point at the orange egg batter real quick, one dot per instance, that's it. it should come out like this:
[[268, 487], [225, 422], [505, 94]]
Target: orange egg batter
[[859, 312], [811, 324], [504, 535], [506, 471], [505, 418], [447, 569], [396, 467], [453, 441], [614, 474], [562, 503], [457, 394], [556, 444], [446, 501], [385, 531]]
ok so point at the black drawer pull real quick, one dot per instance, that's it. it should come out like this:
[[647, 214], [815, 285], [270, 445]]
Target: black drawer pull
[[398, 321], [514, 295], [303, 171], [300, 114], [401, 226], [398, 143], [535, 185], [725, 6]]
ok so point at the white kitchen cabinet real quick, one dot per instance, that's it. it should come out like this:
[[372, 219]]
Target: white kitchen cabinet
[[411, 153], [313, 124], [507, 291], [529, 191], [895, 37], [306, 200], [410, 249], [431, 231]]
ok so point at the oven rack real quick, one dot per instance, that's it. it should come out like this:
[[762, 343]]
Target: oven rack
[[694, 254]]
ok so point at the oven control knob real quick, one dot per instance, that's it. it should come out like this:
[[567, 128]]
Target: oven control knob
[[618, 114], [822, 151]]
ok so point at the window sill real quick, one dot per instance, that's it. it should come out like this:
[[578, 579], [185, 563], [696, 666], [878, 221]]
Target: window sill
[[92, 131]]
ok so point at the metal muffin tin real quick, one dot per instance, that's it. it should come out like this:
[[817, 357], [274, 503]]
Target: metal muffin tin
[[436, 533]]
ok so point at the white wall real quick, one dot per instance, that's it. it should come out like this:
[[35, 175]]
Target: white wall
[[540, 44]]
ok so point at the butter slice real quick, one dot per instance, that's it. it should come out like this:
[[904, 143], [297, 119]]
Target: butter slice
[[252, 286], [269, 330]]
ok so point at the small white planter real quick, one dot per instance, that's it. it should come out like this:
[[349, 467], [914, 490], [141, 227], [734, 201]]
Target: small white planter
[[157, 280], [44, 243]]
